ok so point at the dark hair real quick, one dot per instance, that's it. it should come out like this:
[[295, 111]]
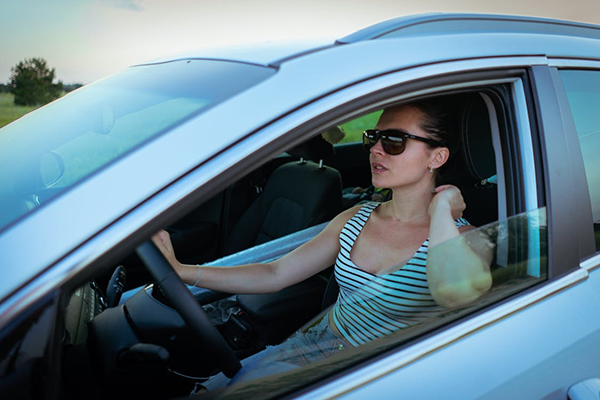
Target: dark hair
[[440, 122]]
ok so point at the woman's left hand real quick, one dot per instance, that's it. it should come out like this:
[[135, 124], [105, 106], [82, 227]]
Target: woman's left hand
[[448, 197], [162, 240], [457, 272]]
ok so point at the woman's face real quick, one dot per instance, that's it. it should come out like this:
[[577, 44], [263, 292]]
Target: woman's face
[[410, 169]]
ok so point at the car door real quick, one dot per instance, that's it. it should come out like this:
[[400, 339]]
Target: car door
[[500, 349], [545, 339]]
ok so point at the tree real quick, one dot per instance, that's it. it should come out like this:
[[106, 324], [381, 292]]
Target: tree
[[32, 83], [72, 86]]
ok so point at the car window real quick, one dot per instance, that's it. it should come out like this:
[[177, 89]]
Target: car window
[[583, 93], [354, 129], [47, 151], [522, 239]]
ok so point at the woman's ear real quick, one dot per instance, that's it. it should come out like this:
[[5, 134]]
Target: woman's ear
[[439, 156]]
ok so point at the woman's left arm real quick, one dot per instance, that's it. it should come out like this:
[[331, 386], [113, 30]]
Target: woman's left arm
[[458, 273]]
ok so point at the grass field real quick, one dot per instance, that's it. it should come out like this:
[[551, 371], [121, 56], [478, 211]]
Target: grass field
[[8, 111], [355, 128]]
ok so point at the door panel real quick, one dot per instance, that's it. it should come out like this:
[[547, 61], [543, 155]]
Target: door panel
[[538, 352]]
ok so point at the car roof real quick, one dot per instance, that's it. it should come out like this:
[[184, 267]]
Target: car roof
[[465, 26], [450, 23], [263, 53]]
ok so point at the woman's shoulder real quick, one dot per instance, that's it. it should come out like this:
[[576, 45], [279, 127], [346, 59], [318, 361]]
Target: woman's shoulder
[[343, 217], [367, 207]]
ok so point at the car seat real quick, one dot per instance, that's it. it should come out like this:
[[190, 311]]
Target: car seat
[[297, 195], [477, 177]]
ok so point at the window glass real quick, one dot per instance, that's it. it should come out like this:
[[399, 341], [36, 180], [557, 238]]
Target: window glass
[[583, 92], [47, 151], [521, 239]]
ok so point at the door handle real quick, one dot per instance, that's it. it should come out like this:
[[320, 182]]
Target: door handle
[[585, 390]]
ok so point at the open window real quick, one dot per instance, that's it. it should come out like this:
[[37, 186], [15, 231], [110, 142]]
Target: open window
[[517, 241]]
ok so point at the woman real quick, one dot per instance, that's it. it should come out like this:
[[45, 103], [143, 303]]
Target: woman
[[366, 243]]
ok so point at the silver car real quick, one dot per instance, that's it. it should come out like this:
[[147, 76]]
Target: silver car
[[225, 149]]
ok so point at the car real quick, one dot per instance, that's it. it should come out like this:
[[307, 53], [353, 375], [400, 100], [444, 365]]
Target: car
[[224, 148]]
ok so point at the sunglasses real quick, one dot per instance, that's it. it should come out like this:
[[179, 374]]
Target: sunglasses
[[393, 141]]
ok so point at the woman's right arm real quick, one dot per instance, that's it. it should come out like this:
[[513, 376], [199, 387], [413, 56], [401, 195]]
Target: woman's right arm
[[307, 260]]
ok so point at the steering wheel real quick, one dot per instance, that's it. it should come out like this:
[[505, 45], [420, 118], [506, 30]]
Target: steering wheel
[[188, 308]]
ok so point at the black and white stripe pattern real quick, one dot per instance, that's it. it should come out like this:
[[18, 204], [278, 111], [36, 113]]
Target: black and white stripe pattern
[[370, 306]]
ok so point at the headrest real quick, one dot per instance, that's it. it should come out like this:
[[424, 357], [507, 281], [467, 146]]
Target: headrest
[[315, 149], [476, 140]]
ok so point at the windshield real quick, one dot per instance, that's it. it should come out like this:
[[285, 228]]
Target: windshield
[[51, 149], [517, 248]]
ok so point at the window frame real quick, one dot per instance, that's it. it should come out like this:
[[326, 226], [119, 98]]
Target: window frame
[[570, 222], [590, 184]]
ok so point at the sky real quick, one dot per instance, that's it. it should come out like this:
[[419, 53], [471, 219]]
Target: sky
[[85, 40]]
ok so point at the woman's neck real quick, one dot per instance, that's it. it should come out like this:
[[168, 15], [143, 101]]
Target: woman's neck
[[408, 205]]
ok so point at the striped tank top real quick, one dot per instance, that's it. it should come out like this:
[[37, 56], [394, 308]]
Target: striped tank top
[[371, 306]]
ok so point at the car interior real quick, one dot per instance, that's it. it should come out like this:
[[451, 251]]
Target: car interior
[[262, 216]]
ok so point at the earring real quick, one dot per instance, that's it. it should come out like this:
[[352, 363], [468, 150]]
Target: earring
[[431, 169]]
